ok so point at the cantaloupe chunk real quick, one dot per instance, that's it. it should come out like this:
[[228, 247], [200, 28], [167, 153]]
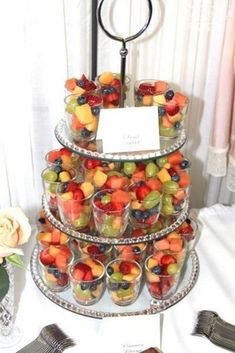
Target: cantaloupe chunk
[[176, 245]]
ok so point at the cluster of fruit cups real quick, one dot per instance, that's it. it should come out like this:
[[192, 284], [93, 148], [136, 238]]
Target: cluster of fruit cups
[[172, 105], [109, 85], [82, 114]]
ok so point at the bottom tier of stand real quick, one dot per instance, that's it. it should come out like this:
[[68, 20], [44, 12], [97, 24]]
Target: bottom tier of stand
[[144, 305]]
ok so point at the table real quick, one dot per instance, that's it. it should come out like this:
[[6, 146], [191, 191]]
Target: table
[[214, 290]]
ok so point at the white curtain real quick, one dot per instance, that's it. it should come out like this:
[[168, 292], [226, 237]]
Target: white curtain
[[44, 42]]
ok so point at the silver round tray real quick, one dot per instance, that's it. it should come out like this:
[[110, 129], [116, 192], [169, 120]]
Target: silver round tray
[[144, 304], [99, 239], [167, 145]]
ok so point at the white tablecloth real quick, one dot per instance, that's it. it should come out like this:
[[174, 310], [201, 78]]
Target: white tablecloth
[[214, 290]]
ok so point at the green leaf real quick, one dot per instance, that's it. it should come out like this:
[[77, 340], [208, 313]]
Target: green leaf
[[4, 282], [16, 260]]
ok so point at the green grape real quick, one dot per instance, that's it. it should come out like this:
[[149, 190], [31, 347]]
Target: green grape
[[114, 172], [152, 199], [167, 131], [108, 231], [170, 187], [167, 210], [83, 293], [129, 168], [151, 170], [116, 276], [50, 176], [161, 161], [71, 105], [166, 199], [172, 269], [105, 199]]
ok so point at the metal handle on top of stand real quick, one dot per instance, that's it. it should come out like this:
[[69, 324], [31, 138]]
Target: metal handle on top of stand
[[123, 50]]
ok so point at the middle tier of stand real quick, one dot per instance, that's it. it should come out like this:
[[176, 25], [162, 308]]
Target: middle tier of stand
[[181, 217]]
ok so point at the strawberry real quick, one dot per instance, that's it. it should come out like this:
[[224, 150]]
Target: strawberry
[[142, 191], [78, 195], [72, 186], [88, 276], [92, 163], [155, 289], [112, 97], [138, 233], [115, 83], [125, 267], [172, 108], [65, 151], [168, 259], [93, 100], [62, 280], [146, 89], [46, 258], [93, 250]]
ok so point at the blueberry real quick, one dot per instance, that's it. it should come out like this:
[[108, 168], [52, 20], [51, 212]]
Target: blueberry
[[64, 187], [169, 94], [175, 177], [51, 269], [188, 221], [85, 133], [101, 195], [81, 100], [102, 248], [137, 214], [161, 111], [95, 110], [112, 89], [139, 98], [105, 90], [93, 286], [80, 83], [156, 270], [136, 250], [58, 161], [58, 169], [177, 125], [139, 183], [42, 220], [85, 285], [104, 163], [145, 214], [125, 285], [109, 270], [184, 164]]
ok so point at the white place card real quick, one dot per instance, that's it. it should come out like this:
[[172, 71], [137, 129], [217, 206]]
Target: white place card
[[129, 334], [128, 129]]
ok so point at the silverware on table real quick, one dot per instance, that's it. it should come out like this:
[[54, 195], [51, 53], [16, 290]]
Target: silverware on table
[[218, 331], [50, 340]]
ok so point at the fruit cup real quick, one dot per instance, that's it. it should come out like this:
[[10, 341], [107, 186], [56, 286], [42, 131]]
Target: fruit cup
[[111, 212], [162, 273], [172, 109], [54, 262], [55, 180], [189, 233], [103, 174], [52, 237], [82, 115], [63, 158], [79, 86], [123, 279], [146, 90], [174, 198], [74, 204], [100, 252], [136, 252], [145, 205], [87, 277], [110, 86]]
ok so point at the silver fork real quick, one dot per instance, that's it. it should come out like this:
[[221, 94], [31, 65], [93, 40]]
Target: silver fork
[[218, 331], [50, 340]]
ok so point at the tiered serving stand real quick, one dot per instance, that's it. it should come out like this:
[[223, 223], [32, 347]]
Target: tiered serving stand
[[144, 304]]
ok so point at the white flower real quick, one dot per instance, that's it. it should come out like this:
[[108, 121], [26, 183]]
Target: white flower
[[15, 230]]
